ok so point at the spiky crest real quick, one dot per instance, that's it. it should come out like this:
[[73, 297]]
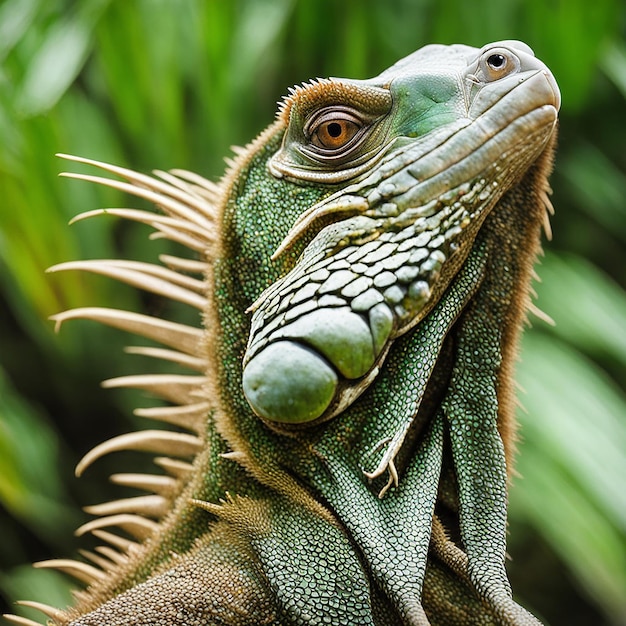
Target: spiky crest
[[188, 205], [310, 95]]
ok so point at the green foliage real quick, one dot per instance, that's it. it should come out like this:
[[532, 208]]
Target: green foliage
[[572, 460], [172, 83]]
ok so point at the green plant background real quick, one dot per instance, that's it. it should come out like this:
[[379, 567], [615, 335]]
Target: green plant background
[[173, 83]]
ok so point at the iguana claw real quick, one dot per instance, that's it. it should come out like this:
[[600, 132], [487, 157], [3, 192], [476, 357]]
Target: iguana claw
[[387, 463]]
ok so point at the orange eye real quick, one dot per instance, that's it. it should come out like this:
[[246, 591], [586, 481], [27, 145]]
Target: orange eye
[[333, 134]]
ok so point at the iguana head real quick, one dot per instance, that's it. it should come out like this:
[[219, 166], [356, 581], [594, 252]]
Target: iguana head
[[366, 265], [401, 216]]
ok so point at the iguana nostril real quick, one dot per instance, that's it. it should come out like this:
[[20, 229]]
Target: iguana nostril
[[287, 382]]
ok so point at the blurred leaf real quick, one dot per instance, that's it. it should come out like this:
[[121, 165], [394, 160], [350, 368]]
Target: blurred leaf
[[476, 23], [58, 60], [572, 40], [257, 29], [613, 63], [15, 18], [598, 185], [589, 309], [53, 69], [573, 459], [585, 428], [52, 589], [29, 483], [572, 464]]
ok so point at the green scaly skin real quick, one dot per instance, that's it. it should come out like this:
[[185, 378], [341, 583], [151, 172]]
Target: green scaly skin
[[381, 497]]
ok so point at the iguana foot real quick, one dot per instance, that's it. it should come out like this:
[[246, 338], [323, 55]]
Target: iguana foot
[[387, 463]]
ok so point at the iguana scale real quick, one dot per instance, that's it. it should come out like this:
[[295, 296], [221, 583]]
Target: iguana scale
[[342, 446]]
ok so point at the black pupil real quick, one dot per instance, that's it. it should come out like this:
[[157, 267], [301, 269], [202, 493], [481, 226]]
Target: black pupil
[[496, 61], [335, 129]]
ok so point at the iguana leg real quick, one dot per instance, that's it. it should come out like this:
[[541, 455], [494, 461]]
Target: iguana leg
[[471, 408], [394, 537]]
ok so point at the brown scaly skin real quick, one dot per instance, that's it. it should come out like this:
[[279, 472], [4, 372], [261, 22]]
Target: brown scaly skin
[[379, 498]]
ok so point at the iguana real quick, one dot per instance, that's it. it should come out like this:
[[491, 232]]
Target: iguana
[[342, 452]]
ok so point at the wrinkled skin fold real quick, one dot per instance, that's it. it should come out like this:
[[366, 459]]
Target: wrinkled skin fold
[[349, 434]]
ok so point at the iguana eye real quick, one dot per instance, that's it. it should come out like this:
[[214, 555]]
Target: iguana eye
[[333, 130], [334, 134], [498, 63]]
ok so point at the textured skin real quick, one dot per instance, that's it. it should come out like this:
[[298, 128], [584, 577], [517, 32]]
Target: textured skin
[[379, 497]]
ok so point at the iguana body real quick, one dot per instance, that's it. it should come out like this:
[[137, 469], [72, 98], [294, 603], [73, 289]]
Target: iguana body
[[366, 266]]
